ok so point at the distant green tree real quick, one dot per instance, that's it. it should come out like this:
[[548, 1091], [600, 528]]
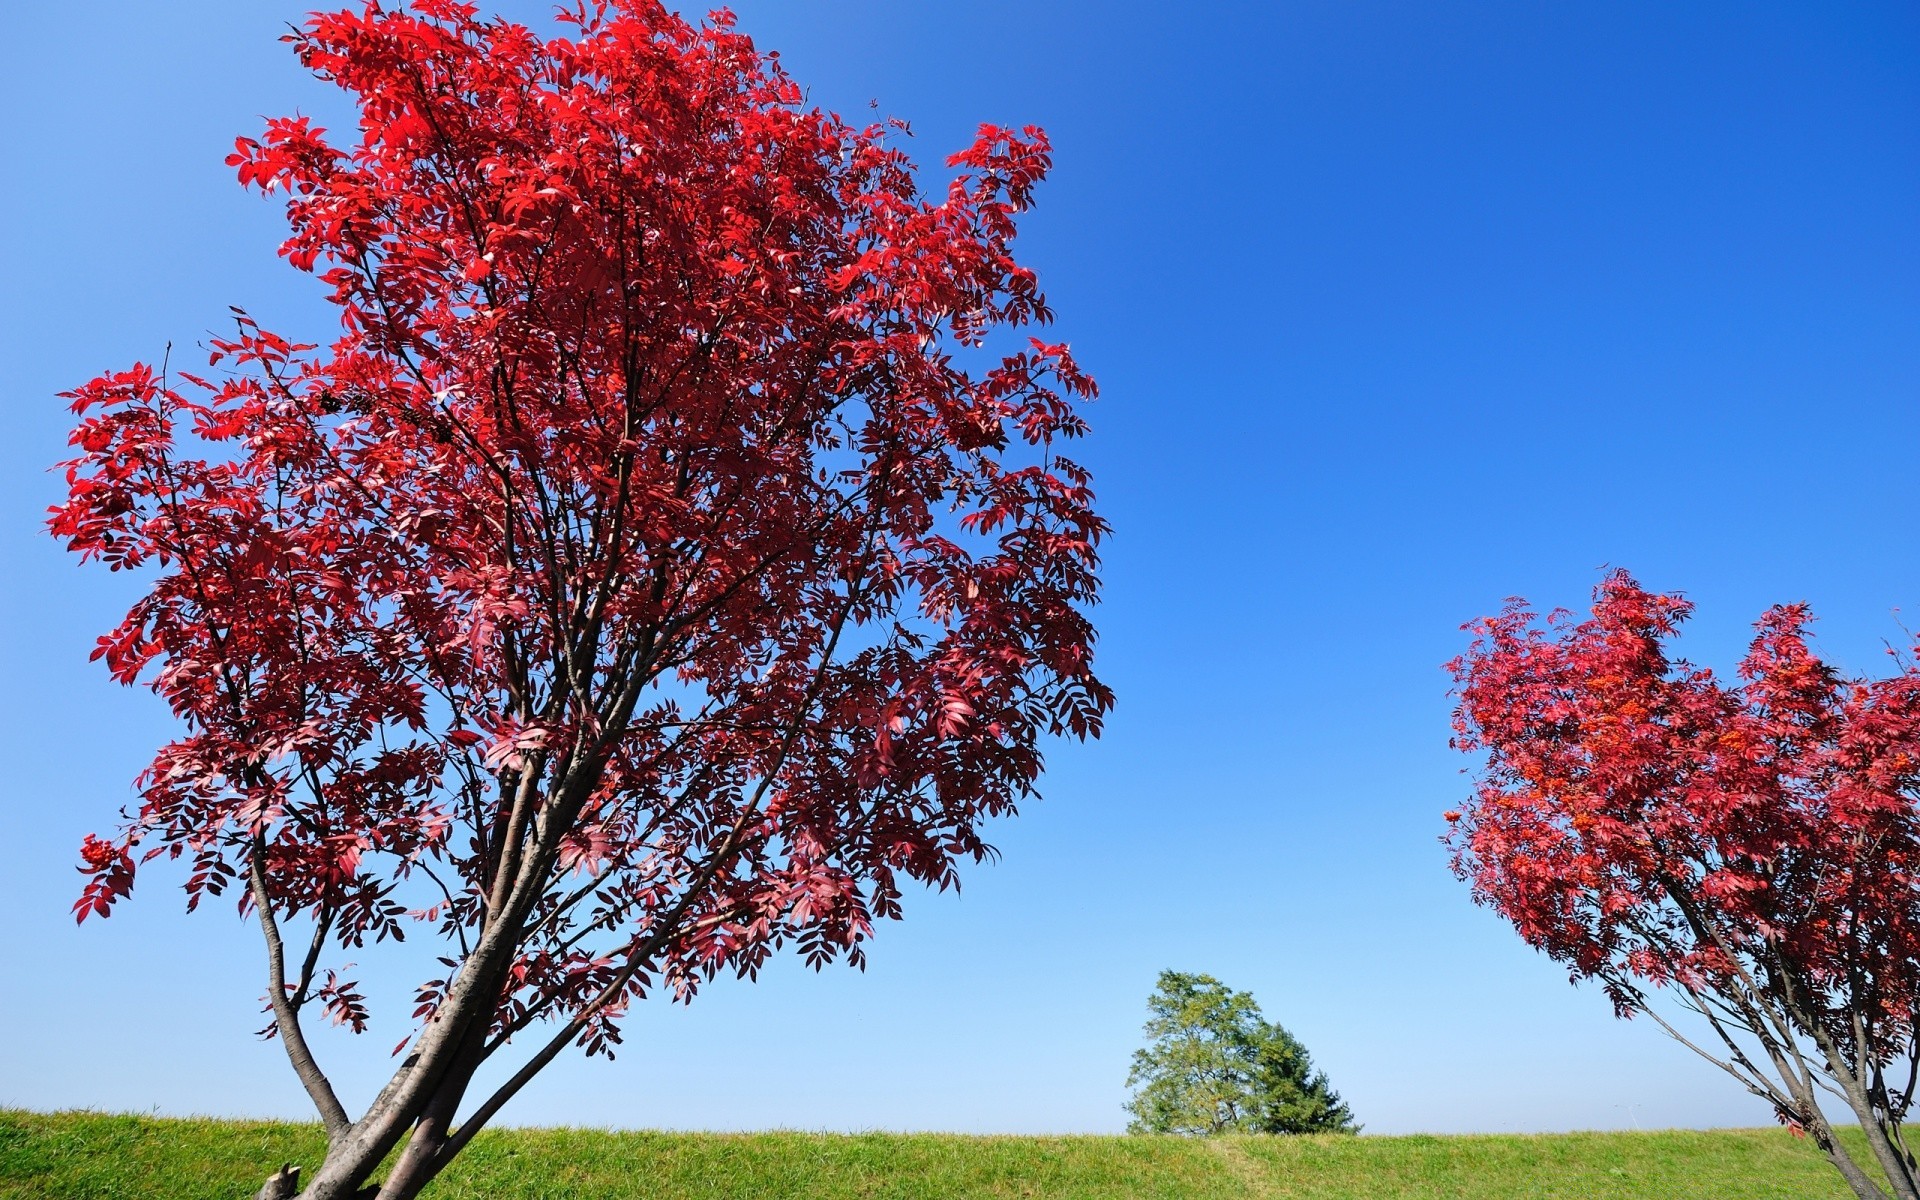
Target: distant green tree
[[1213, 1064]]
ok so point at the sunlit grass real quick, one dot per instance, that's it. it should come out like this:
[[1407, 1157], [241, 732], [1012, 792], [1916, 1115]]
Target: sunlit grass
[[92, 1156]]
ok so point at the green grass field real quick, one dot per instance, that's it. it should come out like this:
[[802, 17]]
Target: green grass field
[[92, 1156]]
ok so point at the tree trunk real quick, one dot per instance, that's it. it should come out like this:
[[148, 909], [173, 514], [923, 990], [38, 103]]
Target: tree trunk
[[418, 1104], [1899, 1171], [340, 1176], [1823, 1136], [423, 1158], [350, 1162], [1873, 1121], [1862, 1184], [1886, 1152]]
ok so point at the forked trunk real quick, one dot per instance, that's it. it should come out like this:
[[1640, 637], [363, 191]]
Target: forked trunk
[[414, 1112], [1893, 1162], [1899, 1174], [1862, 1184], [1892, 1158], [1882, 1136], [423, 1158], [346, 1173]]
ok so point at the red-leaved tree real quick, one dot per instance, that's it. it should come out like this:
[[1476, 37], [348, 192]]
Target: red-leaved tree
[[662, 565], [1748, 849]]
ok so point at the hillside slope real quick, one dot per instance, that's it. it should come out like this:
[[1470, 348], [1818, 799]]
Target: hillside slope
[[92, 1156]]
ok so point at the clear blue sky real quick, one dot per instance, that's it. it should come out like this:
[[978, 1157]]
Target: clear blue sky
[[1398, 308]]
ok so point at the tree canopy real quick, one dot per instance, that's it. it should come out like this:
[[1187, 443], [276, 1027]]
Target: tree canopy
[[1213, 1064], [1749, 850], [672, 558]]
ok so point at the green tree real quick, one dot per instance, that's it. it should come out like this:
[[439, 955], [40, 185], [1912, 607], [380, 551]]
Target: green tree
[[1213, 1064]]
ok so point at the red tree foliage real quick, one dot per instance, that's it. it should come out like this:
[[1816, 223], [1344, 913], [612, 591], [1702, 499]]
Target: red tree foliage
[[1750, 849], [661, 566]]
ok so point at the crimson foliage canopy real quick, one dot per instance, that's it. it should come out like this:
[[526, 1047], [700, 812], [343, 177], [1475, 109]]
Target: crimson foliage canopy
[[1751, 849], [667, 561]]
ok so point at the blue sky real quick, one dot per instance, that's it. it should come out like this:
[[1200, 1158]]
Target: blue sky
[[1398, 309]]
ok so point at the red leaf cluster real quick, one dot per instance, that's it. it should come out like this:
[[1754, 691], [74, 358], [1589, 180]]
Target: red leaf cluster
[[659, 566], [1751, 846]]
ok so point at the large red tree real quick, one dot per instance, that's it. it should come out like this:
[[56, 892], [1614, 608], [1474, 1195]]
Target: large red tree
[[1749, 849], [665, 562]]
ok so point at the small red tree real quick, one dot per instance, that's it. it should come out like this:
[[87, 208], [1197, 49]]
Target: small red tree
[[644, 579], [1749, 849]]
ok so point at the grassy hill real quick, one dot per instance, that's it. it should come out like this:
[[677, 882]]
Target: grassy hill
[[92, 1156]]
